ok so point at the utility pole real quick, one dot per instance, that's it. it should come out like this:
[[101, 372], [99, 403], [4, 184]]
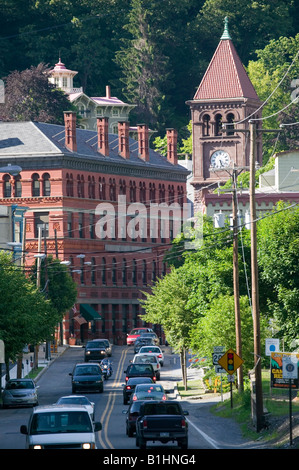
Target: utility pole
[[254, 283]]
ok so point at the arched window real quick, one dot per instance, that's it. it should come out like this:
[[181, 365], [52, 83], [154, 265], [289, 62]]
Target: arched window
[[102, 188], [132, 191], [103, 271], [122, 187], [93, 271], [91, 187], [206, 125], [82, 186], [114, 272], [230, 123], [134, 272], [6, 186], [154, 271], [79, 193], [35, 185], [144, 273], [46, 185], [18, 186], [112, 189], [142, 192], [69, 185], [218, 124], [171, 193], [124, 272]]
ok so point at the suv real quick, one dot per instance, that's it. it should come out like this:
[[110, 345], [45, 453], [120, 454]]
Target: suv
[[140, 370], [95, 350], [87, 377], [148, 358], [60, 427]]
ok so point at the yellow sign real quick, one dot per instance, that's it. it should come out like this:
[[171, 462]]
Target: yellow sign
[[230, 361]]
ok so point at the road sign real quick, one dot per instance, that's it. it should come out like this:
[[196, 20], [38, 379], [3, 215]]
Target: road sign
[[289, 367], [272, 345], [230, 361]]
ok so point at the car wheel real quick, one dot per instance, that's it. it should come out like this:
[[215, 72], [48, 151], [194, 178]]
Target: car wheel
[[183, 444], [142, 443], [158, 376], [130, 432], [162, 363], [125, 401], [101, 389]]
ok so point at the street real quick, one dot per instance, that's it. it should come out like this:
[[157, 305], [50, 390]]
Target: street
[[205, 430]]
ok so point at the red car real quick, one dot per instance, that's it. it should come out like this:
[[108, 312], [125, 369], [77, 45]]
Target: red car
[[135, 333]]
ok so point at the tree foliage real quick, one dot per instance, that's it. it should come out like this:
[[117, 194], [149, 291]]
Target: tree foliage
[[29, 96], [26, 317]]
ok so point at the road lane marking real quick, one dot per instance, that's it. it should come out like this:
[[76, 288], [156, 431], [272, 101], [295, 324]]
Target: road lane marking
[[204, 435], [110, 403]]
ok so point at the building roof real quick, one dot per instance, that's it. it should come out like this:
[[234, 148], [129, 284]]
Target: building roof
[[34, 139], [225, 76]]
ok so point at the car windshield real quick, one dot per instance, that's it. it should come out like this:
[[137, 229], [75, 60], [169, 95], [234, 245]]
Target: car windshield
[[74, 401], [149, 388], [87, 370], [95, 345], [159, 409], [140, 368], [61, 422], [150, 349], [19, 385], [145, 359]]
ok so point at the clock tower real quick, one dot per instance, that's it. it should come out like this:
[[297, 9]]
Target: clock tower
[[224, 96]]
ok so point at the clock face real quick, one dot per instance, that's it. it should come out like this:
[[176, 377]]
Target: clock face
[[220, 159]]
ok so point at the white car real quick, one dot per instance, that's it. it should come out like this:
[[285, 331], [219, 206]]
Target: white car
[[153, 350], [148, 358], [60, 427], [77, 400]]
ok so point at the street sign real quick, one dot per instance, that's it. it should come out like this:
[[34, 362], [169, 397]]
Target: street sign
[[272, 345], [217, 354], [230, 361], [290, 367]]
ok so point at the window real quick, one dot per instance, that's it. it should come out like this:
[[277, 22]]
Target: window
[[92, 226], [6, 186], [82, 272], [81, 225], [93, 271], [122, 187], [18, 186], [144, 273], [103, 271], [230, 123], [41, 220], [69, 185], [35, 185], [154, 271], [64, 82], [132, 191], [80, 186], [102, 189], [114, 271], [206, 125], [112, 189], [124, 272], [70, 224], [46, 185], [142, 192], [152, 192], [91, 187], [134, 272], [218, 124]]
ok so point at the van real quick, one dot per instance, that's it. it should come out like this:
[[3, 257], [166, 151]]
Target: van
[[60, 427]]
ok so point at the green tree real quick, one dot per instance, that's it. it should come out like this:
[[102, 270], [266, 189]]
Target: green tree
[[26, 317], [278, 257], [29, 96]]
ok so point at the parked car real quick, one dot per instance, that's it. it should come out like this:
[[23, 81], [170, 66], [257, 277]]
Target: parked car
[[60, 427], [131, 337], [132, 414], [153, 336], [95, 350], [129, 387], [140, 370], [148, 358], [77, 400], [20, 392], [149, 392], [153, 350], [87, 377], [142, 342]]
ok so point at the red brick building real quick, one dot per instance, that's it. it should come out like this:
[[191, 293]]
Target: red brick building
[[70, 182]]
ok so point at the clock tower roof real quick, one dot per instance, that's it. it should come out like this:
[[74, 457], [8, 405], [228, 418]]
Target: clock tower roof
[[225, 76]]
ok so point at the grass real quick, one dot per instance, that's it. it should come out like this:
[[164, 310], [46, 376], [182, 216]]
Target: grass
[[275, 401]]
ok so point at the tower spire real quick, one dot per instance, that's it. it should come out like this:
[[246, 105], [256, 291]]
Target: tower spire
[[225, 34]]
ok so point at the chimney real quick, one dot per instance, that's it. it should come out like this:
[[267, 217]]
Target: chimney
[[143, 147], [70, 130], [123, 139], [103, 142], [108, 92], [172, 151]]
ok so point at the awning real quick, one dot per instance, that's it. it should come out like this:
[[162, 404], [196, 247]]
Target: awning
[[89, 313]]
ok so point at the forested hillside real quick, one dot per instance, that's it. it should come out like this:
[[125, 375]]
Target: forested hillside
[[152, 53]]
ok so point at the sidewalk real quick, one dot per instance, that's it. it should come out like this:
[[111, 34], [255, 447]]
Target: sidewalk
[[28, 359]]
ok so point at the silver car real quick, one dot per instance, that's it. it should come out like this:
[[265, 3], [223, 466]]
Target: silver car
[[77, 400], [20, 392]]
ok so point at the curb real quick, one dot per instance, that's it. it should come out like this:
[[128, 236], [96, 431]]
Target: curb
[[52, 360]]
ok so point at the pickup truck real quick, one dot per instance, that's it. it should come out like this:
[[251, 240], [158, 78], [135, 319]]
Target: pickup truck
[[162, 421]]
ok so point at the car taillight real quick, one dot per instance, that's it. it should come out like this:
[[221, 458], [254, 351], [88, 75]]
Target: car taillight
[[159, 355], [164, 397], [127, 378], [128, 387], [158, 365], [183, 423], [134, 398], [154, 378], [144, 424]]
